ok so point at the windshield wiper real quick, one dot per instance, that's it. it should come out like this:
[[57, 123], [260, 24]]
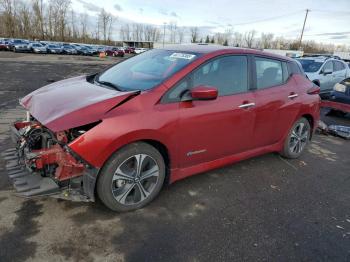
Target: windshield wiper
[[105, 83]]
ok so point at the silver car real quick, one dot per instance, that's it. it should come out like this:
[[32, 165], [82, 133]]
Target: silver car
[[325, 72], [22, 46], [38, 48]]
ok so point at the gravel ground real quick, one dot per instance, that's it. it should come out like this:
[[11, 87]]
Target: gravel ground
[[263, 209]]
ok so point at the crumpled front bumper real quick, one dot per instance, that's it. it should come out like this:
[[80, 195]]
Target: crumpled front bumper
[[32, 184]]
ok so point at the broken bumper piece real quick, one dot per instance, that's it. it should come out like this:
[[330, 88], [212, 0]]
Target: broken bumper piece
[[27, 184], [71, 179]]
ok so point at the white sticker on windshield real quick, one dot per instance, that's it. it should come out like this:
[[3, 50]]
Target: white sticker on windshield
[[182, 56]]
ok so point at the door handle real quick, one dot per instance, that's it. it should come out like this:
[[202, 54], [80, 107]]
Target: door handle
[[247, 105], [291, 96]]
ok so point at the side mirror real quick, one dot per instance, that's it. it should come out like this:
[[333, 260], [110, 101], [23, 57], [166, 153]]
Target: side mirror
[[201, 93], [327, 72]]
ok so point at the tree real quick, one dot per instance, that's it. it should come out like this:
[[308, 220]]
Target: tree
[[249, 38], [207, 40], [266, 40], [225, 43], [105, 22], [194, 34], [212, 40]]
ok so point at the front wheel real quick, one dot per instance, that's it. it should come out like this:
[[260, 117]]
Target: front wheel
[[131, 178], [297, 139]]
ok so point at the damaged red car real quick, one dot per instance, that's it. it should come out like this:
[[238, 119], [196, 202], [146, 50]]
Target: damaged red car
[[158, 117]]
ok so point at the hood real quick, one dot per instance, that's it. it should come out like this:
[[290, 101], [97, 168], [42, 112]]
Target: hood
[[71, 103]]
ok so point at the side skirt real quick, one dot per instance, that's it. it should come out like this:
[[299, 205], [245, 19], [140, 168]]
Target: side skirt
[[181, 173]]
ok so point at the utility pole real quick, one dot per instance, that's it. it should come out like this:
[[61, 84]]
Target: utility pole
[[302, 31], [164, 34]]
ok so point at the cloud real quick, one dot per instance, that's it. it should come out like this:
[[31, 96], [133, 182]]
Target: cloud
[[174, 14], [163, 12], [339, 37], [89, 6], [118, 7], [334, 34], [141, 10]]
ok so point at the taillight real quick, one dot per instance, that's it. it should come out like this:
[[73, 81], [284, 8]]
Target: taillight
[[315, 90]]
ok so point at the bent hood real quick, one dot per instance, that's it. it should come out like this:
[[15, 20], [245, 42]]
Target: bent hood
[[71, 103]]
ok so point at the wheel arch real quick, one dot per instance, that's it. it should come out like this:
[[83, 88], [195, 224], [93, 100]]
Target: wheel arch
[[311, 121]]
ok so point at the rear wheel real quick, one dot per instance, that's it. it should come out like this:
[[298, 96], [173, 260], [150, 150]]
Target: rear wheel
[[297, 139], [132, 177]]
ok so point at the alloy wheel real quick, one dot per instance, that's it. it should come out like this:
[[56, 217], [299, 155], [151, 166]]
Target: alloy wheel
[[135, 179], [299, 138]]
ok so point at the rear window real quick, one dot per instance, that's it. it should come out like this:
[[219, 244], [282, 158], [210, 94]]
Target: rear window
[[310, 65], [269, 72]]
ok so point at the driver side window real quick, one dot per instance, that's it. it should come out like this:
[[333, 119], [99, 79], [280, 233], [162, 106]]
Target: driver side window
[[229, 74]]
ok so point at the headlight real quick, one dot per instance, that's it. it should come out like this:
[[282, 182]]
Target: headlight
[[340, 88]]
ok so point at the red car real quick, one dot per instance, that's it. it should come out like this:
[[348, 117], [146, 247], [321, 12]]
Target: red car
[[4, 46], [159, 117], [115, 52], [129, 50]]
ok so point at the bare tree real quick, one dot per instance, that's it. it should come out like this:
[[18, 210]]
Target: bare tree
[[237, 39], [172, 27], [180, 34], [249, 38], [105, 21], [38, 18], [194, 34], [266, 40]]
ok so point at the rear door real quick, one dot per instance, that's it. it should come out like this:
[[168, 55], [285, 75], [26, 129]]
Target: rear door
[[339, 73], [277, 101], [327, 80]]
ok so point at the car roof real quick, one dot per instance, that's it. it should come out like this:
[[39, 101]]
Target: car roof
[[206, 49]]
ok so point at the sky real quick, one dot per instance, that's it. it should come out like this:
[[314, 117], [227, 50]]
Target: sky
[[327, 22]]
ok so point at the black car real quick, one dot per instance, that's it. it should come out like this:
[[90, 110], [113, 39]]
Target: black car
[[341, 92]]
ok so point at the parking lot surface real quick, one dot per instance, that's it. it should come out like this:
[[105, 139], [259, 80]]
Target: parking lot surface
[[263, 209]]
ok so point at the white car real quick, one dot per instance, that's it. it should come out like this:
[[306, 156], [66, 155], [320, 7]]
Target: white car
[[140, 50], [325, 72]]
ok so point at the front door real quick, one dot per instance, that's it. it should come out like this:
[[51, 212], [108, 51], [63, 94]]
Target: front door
[[214, 129]]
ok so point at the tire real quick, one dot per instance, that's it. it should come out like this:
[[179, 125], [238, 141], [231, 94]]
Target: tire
[[120, 186], [297, 139]]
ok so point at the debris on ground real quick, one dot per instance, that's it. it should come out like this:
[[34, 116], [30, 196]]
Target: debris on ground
[[341, 131], [336, 130], [322, 127], [340, 227], [275, 187]]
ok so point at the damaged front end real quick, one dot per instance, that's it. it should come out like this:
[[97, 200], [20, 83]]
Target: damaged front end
[[42, 163]]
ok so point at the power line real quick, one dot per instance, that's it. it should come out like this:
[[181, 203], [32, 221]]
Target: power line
[[268, 19]]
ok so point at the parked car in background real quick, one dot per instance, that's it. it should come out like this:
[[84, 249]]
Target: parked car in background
[[13, 42], [129, 50], [38, 48], [114, 51], [19, 45], [159, 117], [140, 50], [325, 72], [341, 92], [54, 49], [69, 50], [4, 46]]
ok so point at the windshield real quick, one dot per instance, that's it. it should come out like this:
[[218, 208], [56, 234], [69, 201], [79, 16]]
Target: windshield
[[146, 70], [309, 65]]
